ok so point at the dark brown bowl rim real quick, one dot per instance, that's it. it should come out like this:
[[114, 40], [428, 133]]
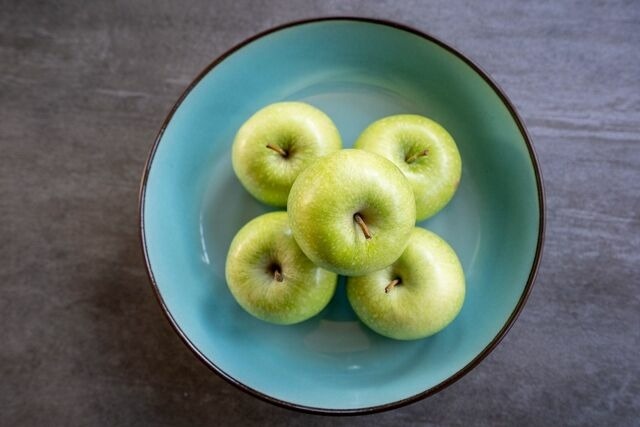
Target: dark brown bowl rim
[[453, 378]]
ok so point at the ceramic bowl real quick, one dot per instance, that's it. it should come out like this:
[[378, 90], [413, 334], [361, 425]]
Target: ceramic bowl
[[357, 71]]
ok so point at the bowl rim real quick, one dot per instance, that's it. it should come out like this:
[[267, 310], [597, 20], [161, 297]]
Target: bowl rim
[[465, 369]]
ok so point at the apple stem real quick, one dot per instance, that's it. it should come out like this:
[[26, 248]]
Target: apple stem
[[277, 149], [358, 219], [391, 285], [416, 156], [278, 276]]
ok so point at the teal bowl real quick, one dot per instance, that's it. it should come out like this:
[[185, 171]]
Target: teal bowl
[[357, 71]]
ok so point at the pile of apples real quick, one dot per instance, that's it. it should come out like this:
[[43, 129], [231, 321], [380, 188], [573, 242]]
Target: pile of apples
[[350, 212]]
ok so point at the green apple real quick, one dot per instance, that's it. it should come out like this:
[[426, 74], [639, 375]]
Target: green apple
[[276, 144], [417, 296], [271, 278], [424, 151], [352, 212]]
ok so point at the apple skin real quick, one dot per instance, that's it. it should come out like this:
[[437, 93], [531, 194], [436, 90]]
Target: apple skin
[[266, 243], [301, 130], [434, 176], [428, 298], [327, 195]]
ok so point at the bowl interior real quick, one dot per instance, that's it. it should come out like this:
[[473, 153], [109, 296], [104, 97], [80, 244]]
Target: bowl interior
[[356, 72]]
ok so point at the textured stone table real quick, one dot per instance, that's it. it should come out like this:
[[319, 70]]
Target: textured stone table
[[83, 91]]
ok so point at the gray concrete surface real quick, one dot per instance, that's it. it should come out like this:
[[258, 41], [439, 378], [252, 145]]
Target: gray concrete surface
[[84, 87]]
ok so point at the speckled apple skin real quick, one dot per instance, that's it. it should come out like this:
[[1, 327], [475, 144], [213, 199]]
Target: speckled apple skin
[[324, 199], [305, 289], [303, 131], [429, 297], [435, 176]]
